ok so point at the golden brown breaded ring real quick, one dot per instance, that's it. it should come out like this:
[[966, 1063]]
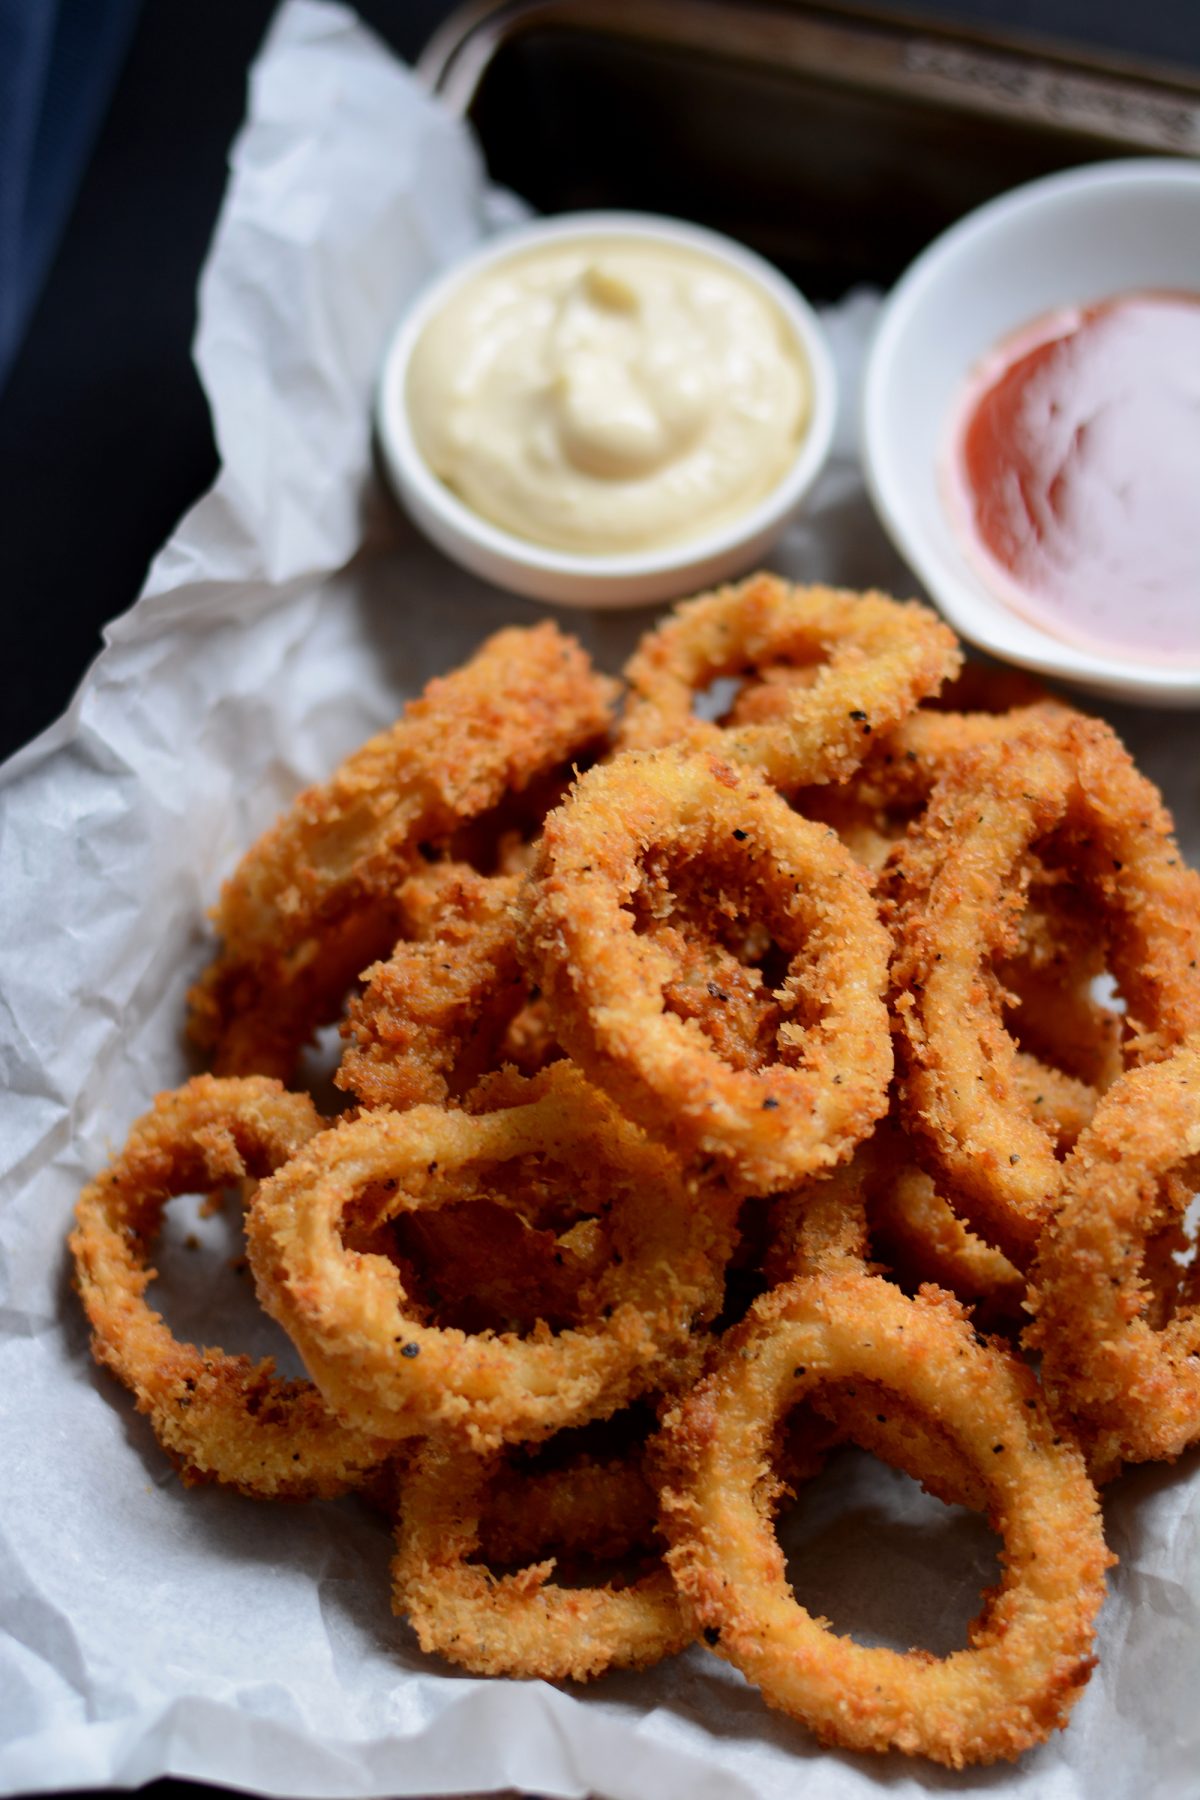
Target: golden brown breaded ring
[[432, 1018], [480, 1265], [525, 1624], [1066, 787], [827, 1226], [881, 1205], [313, 902], [625, 829], [976, 692], [824, 1223], [1136, 1388], [394, 1375], [916, 1231], [873, 807], [598, 1506], [877, 658], [1030, 1650], [220, 1417]]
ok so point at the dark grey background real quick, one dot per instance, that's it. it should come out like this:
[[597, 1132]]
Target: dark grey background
[[104, 433]]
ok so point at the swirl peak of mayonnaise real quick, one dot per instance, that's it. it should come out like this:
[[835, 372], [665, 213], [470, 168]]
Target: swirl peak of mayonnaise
[[609, 395]]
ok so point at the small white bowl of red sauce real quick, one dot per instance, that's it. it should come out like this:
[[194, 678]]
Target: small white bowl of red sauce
[[1031, 427]]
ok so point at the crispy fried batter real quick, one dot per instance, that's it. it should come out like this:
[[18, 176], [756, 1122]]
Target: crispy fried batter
[[314, 901], [487, 1264], [1031, 1648], [874, 657], [1066, 791], [525, 1624], [632, 824], [1136, 1387], [396, 1376], [917, 1233], [433, 1018], [220, 1417]]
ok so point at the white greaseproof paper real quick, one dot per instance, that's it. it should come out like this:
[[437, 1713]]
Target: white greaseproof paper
[[149, 1630]]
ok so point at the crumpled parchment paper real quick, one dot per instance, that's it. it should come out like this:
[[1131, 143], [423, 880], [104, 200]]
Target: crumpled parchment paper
[[149, 1631]]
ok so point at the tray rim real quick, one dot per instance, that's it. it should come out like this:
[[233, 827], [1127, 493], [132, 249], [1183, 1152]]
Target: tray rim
[[1128, 103]]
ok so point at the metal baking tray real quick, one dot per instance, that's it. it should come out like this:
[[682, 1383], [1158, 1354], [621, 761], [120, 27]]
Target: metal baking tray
[[835, 140]]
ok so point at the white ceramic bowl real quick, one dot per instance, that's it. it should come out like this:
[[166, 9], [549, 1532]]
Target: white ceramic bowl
[[631, 578], [1080, 236]]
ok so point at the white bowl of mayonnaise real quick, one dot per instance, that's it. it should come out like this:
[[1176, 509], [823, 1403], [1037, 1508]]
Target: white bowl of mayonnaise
[[606, 409]]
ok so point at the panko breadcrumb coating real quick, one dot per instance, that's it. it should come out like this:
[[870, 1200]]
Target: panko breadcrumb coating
[[314, 901]]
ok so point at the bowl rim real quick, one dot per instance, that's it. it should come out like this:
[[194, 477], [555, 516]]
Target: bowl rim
[[967, 601], [408, 469]]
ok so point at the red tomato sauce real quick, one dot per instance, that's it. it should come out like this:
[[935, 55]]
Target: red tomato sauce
[[1076, 469]]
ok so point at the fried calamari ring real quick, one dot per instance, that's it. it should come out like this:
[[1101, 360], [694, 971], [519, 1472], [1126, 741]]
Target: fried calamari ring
[[635, 826], [981, 687], [917, 1233], [827, 1226], [876, 659], [1030, 1650], [1061, 1104], [823, 1224], [378, 1366], [313, 902], [433, 1017], [881, 1205], [602, 1507], [1069, 1041], [523, 1624], [219, 1417], [1067, 791], [1057, 1019], [974, 693], [873, 807], [1136, 1388], [884, 1206]]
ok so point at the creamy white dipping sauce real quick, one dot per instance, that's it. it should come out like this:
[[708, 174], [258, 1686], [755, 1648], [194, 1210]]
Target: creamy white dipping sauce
[[609, 396]]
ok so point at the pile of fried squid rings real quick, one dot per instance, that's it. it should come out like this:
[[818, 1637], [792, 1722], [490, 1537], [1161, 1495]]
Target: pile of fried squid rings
[[731, 1077]]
